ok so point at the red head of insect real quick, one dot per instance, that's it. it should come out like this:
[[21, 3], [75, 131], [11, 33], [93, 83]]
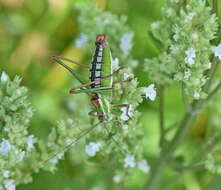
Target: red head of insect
[[101, 39]]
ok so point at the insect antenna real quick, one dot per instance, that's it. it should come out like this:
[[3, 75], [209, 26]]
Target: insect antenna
[[81, 135], [74, 73]]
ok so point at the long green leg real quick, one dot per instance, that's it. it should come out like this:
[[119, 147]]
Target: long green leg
[[123, 81], [93, 90], [114, 73], [97, 90]]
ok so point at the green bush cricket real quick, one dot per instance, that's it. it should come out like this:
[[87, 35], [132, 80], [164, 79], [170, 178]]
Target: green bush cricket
[[101, 79]]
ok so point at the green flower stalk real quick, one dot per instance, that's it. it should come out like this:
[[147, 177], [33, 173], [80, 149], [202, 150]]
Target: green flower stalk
[[16, 144], [190, 55], [186, 41]]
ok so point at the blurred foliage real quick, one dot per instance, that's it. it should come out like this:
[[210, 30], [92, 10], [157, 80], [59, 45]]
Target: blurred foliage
[[32, 31]]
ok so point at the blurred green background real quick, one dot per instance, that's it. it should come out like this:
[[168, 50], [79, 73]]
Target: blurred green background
[[31, 31]]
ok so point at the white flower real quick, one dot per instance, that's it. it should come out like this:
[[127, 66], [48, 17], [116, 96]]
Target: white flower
[[125, 127], [81, 41], [187, 75], [126, 76], [115, 63], [5, 147], [92, 148], [6, 174], [129, 161], [174, 49], [126, 113], [217, 51], [190, 55], [21, 156], [150, 92], [176, 36], [196, 95], [190, 16], [126, 43], [143, 166], [9, 184], [56, 158], [30, 142], [4, 77]]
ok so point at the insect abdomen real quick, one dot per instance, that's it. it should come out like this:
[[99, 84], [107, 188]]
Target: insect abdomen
[[97, 67]]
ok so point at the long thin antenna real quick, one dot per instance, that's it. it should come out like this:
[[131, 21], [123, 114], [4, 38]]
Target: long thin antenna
[[82, 134], [69, 60], [74, 73]]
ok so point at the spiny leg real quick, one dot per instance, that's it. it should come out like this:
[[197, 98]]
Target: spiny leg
[[122, 81], [114, 73], [98, 90], [124, 105]]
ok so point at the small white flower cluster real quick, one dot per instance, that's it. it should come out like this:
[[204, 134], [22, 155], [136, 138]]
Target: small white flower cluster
[[115, 63], [129, 162], [217, 51], [126, 43], [5, 147], [4, 77], [176, 36], [9, 184], [81, 41], [190, 16], [187, 75], [174, 49], [92, 148], [127, 113], [30, 142], [190, 56], [196, 95], [150, 92]]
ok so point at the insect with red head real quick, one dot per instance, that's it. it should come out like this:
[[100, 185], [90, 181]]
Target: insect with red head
[[101, 78]]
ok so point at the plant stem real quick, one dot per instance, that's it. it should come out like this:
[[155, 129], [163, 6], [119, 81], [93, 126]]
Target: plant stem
[[214, 91], [211, 74], [215, 7], [185, 98], [168, 151], [161, 115], [184, 127]]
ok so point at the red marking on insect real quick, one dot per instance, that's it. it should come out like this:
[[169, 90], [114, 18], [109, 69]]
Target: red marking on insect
[[72, 91], [95, 100], [101, 38]]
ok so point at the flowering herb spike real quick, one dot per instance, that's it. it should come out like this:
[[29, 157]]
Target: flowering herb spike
[[101, 79]]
